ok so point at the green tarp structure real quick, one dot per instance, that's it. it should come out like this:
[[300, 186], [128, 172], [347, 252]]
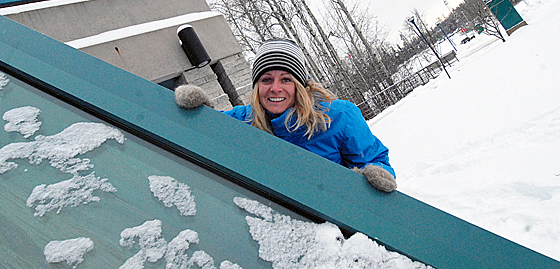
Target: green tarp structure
[[506, 14]]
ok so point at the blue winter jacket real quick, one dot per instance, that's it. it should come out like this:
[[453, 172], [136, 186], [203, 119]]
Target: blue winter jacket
[[348, 141]]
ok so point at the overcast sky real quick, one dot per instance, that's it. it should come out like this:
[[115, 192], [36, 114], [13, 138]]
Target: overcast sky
[[393, 13]]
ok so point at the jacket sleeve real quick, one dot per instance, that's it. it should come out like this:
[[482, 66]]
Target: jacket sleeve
[[359, 146], [239, 112]]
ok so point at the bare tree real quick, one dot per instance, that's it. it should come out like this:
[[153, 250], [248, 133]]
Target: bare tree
[[380, 72], [233, 19], [479, 13], [348, 90], [420, 19]]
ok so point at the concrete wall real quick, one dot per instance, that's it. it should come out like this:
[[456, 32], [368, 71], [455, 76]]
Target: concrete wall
[[158, 56], [140, 36], [77, 20], [239, 72]]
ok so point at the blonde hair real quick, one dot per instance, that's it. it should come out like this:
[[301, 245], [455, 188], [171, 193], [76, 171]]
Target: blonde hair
[[307, 110]]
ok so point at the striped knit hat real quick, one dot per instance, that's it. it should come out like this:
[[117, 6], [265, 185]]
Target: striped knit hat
[[280, 54]]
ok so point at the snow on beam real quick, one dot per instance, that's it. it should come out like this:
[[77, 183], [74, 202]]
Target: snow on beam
[[37, 6], [140, 29]]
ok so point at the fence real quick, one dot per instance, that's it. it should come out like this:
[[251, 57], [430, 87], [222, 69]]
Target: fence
[[375, 103]]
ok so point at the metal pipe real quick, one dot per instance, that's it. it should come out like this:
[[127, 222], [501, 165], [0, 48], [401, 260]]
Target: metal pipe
[[450, 42], [411, 20]]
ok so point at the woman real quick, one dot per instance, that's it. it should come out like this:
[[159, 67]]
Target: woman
[[288, 105]]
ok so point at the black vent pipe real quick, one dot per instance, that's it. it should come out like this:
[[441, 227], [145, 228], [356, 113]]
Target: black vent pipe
[[192, 46]]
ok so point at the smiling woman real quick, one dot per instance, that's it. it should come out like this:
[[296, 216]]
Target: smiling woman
[[287, 104], [277, 91]]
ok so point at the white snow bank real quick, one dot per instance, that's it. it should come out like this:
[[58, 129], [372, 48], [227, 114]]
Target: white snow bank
[[72, 250], [485, 145], [289, 243], [22, 120]]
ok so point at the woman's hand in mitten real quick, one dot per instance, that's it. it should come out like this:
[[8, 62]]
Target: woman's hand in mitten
[[190, 96], [378, 177]]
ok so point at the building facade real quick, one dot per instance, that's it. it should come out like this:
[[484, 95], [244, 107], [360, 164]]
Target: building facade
[[140, 36]]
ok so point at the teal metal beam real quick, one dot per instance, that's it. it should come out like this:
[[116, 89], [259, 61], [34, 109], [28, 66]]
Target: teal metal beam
[[4, 3], [256, 160]]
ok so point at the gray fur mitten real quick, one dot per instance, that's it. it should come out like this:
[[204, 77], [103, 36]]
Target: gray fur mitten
[[378, 177], [190, 96]]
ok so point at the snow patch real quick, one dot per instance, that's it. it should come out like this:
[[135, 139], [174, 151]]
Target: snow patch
[[289, 243], [176, 256], [73, 192], [3, 80], [72, 250], [229, 265], [202, 259], [173, 193], [254, 207], [152, 246], [22, 120], [60, 149]]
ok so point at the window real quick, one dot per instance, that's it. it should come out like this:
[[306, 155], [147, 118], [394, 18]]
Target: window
[[73, 184], [67, 175]]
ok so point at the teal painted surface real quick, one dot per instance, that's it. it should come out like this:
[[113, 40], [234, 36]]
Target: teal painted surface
[[127, 167], [262, 161], [13, 2], [505, 12]]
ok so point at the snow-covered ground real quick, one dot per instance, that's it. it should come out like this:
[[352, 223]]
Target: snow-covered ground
[[485, 144]]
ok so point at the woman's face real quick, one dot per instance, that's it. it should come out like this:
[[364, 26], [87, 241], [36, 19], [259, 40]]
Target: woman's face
[[277, 91]]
